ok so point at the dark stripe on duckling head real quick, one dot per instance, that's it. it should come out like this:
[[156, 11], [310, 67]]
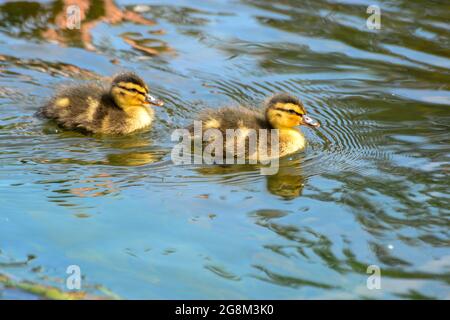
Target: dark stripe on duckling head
[[129, 86], [290, 108], [291, 111], [130, 77]]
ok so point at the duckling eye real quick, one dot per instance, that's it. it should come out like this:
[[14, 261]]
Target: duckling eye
[[291, 111], [133, 90]]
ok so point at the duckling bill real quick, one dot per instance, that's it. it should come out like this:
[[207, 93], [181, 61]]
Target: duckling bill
[[122, 108], [282, 111]]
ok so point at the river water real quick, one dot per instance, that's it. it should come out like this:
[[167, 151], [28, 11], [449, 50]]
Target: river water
[[371, 188]]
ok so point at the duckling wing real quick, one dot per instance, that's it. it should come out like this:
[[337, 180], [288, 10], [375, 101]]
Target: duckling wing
[[232, 118]]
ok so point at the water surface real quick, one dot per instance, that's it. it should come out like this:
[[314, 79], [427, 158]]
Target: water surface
[[371, 189]]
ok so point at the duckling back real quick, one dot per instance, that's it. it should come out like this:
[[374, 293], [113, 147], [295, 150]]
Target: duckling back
[[233, 118], [88, 108]]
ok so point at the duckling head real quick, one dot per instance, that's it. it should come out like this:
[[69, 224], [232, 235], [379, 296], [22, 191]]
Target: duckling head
[[286, 111], [129, 91]]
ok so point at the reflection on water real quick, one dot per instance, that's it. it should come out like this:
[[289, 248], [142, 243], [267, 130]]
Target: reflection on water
[[370, 189], [52, 22], [287, 183]]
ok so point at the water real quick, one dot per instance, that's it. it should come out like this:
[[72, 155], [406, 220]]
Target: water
[[371, 189]]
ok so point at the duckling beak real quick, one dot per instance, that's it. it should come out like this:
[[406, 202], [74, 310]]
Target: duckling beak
[[152, 100], [310, 122]]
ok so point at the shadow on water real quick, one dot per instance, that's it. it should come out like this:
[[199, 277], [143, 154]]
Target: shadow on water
[[371, 188]]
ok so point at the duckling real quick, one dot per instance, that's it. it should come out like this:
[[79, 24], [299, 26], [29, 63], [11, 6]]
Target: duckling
[[121, 109], [283, 111]]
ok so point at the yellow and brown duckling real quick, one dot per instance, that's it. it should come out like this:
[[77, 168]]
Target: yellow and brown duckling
[[283, 111], [121, 109]]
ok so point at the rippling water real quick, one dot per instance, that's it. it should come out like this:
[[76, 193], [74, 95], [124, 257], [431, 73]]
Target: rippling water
[[371, 189]]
